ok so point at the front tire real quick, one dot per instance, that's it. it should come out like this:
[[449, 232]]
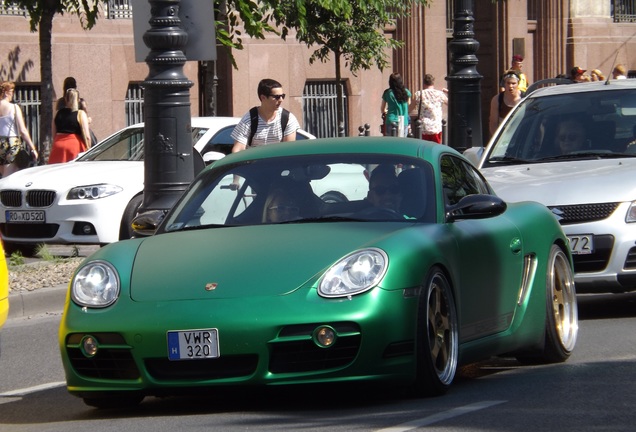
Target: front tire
[[119, 401], [437, 339], [125, 230]]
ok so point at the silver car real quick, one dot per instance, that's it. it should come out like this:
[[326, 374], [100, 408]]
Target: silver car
[[573, 148]]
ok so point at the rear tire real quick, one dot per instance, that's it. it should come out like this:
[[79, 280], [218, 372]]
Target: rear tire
[[125, 230], [561, 323], [562, 320], [437, 339]]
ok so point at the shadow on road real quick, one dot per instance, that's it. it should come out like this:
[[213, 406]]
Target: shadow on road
[[606, 306]]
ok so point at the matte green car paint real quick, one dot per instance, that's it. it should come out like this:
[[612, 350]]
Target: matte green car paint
[[267, 279]]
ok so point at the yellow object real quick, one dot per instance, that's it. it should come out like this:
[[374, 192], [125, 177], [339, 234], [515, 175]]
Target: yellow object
[[4, 288]]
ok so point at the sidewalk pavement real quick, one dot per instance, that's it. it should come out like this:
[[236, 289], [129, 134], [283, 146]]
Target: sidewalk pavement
[[43, 300]]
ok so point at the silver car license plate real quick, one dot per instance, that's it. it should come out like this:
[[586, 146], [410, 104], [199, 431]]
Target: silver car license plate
[[581, 244], [193, 344], [25, 216]]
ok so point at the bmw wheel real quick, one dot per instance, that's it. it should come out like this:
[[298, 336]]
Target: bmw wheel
[[437, 337]]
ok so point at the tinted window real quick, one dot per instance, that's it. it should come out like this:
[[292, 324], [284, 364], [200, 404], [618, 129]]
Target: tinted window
[[460, 179], [547, 127]]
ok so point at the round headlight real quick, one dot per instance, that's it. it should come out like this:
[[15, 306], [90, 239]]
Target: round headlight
[[356, 273], [95, 285]]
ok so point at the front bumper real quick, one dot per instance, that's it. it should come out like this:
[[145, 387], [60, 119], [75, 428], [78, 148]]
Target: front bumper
[[611, 267], [261, 342]]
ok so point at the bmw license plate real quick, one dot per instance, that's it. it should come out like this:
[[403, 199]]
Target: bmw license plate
[[581, 244], [193, 344], [25, 216]]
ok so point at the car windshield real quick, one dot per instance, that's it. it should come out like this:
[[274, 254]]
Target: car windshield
[[594, 124], [322, 188], [126, 145]]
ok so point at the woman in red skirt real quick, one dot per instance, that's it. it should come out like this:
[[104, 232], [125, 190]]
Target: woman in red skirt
[[72, 133]]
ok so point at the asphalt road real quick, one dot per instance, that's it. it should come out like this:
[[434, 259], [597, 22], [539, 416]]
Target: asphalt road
[[593, 391]]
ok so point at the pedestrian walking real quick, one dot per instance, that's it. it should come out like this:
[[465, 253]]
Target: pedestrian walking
[[395, 106], [14, 135], [429, 102]]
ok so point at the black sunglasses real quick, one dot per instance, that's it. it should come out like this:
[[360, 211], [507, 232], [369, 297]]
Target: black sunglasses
[[278, 97], [381, 190]]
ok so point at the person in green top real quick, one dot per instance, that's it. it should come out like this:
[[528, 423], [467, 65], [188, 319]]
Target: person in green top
[[395, 105]]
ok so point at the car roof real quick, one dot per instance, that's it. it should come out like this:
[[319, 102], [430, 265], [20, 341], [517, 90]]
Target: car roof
[[596, 86], [204, 122], [349, 145]]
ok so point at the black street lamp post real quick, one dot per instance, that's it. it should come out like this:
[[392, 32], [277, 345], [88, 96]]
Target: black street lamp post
[[168, 159], [464, 93]]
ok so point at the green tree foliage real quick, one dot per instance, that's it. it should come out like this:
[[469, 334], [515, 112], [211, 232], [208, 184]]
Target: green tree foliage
[[349, 30], [41, 13]]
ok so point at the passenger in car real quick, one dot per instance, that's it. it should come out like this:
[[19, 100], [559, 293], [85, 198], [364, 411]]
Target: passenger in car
[[289, 200]]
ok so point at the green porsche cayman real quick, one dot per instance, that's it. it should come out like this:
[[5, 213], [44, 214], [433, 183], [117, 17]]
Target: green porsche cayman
[[336, 260]]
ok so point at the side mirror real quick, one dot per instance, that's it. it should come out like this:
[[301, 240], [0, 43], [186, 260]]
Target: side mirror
[[476, 207], [147, 223]]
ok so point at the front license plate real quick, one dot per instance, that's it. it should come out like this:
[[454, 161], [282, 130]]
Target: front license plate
[[581, 244], [25, 216], [193, 344]]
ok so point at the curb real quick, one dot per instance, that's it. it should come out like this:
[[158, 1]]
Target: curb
[[43, 300]]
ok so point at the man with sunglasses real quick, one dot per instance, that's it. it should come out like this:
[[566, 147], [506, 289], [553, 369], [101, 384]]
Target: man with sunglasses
[[266, 124], [384, 189], [268, 118]]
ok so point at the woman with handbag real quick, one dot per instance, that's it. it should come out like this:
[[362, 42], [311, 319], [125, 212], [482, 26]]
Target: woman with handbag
[[14, 135], [395, 103], [71, 130]]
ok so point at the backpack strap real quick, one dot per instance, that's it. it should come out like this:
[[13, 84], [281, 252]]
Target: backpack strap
[[284, 119], [253, 124]]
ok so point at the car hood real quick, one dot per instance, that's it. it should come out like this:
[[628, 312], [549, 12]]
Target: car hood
[[237, 262], [566, 183], [64, 176]]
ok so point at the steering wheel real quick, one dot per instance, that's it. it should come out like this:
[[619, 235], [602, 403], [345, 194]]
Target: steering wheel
[[378, 213]]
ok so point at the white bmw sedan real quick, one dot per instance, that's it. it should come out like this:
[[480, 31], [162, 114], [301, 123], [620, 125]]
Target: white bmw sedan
[[93, 199], [573, 148]]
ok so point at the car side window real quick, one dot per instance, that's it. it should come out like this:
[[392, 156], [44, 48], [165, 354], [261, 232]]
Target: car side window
[[220, 142], [460, 179]]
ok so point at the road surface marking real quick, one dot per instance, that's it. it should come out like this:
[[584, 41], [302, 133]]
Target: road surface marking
[[34, 389], [455, 412]]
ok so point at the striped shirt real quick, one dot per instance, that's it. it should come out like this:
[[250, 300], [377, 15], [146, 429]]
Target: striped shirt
[[266, 132]]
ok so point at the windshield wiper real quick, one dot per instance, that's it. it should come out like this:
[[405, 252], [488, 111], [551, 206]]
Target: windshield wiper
[[586, 155], [509, 159], [333, 218]]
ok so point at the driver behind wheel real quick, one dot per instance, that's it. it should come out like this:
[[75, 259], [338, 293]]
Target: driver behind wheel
[[384, 189]]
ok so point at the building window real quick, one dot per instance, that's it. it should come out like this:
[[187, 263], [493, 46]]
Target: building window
[[119, 9], [27, 96], [320, 108], [10, 8], [134, 104], [624, 10], [450, 17]]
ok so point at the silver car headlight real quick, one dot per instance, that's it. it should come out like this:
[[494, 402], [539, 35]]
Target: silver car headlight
[[95, 285], [354, 274], [631, 213], [92, 192]]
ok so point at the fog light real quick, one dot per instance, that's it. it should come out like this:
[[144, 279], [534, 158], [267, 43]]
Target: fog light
[[325, 336], [83, 228], [89, 346]]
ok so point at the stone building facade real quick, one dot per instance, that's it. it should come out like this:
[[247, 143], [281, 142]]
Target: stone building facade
[[552, 35]]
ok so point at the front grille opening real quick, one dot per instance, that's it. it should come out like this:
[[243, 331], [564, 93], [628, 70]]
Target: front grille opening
[[580, 213]]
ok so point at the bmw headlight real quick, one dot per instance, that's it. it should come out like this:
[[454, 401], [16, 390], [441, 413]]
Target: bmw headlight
[[95, 285], [631, 213], [92, 192], [354, 274]]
